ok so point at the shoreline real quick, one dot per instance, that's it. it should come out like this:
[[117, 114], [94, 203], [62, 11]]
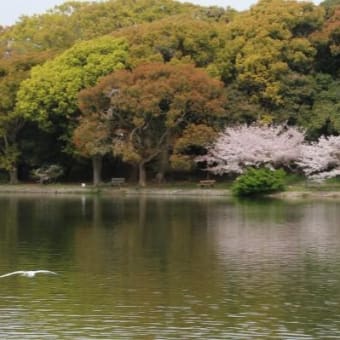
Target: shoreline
[[107, 190], [66, 189]]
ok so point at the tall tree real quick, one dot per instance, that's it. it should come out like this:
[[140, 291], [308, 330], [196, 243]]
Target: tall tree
[[264, 45], [152, 106], [324, 117], [49, 96], [327, 42], [92, 139], [14, 68]]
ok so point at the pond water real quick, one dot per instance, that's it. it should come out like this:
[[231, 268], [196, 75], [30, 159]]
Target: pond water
[[166, 268]]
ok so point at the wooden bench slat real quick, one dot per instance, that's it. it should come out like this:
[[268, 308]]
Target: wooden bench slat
[[207, 183], [117, 181]]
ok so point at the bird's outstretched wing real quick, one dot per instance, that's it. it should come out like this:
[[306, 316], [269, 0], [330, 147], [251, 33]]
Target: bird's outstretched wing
[[19, 272], [45, 272], [29, 273]]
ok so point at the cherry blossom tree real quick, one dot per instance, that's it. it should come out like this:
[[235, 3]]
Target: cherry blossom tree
[[240, 147], [321, 160]]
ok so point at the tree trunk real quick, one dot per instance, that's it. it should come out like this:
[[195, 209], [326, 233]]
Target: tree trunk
[[163, 165], [142, 175], [97, 162], [13, 175], [133, 174]]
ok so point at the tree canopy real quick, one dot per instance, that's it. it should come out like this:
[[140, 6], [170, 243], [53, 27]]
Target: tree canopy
[[153, 105], [53, 87], [275, 63], [74, 21]]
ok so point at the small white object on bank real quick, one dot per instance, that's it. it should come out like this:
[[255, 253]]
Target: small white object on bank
[[83, 185]]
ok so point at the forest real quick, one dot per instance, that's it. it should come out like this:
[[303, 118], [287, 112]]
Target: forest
[[142, 88]]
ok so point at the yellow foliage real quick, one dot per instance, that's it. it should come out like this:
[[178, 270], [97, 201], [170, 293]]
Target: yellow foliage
[[127, 152], [199, 135], [181, 162], [265, 119]]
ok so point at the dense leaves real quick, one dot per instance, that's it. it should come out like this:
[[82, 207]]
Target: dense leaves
[[267, 43], [175, 39], [154, 105], [278, 61], [14, 68], [53, 88], [258, 182], [73, 21]]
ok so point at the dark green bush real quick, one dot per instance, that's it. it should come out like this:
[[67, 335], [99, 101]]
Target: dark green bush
[[259, 181]]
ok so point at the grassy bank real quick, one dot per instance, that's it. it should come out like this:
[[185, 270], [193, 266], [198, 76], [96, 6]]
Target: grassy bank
[[296, 189], [166, 189], [48, 189]]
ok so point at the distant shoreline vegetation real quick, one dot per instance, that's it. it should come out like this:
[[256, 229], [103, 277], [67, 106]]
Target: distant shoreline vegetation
[[144, 89]]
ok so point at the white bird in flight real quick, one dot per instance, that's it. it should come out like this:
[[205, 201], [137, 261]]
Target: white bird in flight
[[29, 273]]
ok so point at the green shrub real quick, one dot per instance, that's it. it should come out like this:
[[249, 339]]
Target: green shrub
[[259, 181]]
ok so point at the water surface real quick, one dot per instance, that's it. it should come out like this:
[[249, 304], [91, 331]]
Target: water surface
[[166, 268]]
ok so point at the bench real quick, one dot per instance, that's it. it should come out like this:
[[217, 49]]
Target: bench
[[117, 181], [207, 183]]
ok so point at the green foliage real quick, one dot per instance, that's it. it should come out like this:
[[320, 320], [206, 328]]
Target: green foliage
[[52, 89], [176, 39], [8, 157], [74, 21], [14, 69], [279, 62], [193, 139], [330, 3], [324, 117], [264, 45], [259, 181]]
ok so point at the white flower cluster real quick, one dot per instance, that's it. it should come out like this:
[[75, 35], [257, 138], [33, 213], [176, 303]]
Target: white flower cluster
[[321, 160], [245, 146], [240, 147]]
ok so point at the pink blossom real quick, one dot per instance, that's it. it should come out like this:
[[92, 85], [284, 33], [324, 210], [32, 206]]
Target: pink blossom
[[245, 146], [321, 160]]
